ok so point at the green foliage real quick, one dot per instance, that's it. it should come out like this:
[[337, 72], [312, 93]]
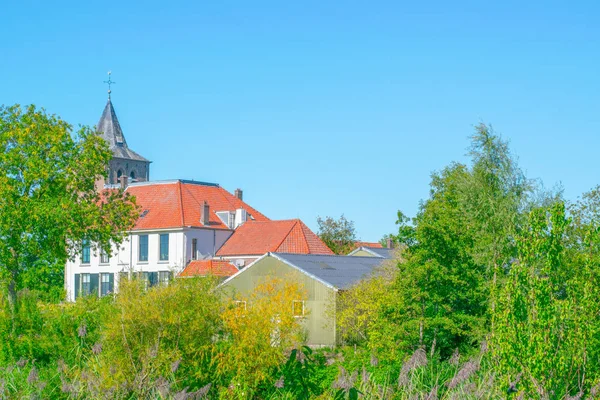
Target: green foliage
[[338, 234], [484, 260], [358, 307], [48, 198], [146, 335], [455, 250], [297, 375], [256, 335], [546, 319]]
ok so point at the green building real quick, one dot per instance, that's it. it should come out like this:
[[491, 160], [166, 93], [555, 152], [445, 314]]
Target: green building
[[323, 277]]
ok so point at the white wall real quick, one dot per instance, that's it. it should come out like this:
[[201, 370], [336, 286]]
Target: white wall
[[209, 241], [180, 253], [127, 255]]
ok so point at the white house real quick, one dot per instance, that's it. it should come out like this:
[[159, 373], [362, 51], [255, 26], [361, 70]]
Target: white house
[[180, 221]]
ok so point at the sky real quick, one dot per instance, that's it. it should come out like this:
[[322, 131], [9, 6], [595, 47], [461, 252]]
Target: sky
[[319, 108]]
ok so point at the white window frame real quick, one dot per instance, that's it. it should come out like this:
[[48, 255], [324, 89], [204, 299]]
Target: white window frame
[[139, 252], [239, 303], [103, 254], [102, 276], [89, 284], [164, 282], [194, 249], [160, 236]]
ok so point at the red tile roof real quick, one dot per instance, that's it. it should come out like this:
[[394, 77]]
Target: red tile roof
[[209, 267], [260, 237], [175, 204], [368, 244]]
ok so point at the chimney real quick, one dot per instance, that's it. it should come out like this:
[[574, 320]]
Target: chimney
[[239, 194], [123, 182], [390, 243], [204, 214]]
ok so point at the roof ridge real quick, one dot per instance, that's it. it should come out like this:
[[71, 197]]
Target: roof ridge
[[276, 220], [286, 235], [323, 255], [181, 203], [302, 225]]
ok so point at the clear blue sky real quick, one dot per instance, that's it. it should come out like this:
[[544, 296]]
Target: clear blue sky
[[314, 107]]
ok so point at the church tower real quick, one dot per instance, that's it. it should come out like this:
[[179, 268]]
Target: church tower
[[125, 162]]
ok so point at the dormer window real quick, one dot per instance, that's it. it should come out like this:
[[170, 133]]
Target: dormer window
[[228, 218]]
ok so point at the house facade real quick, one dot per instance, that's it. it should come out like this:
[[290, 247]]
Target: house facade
[[185, 228], [321, 276], [180, 221]]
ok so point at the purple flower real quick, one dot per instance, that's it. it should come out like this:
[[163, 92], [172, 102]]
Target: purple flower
[[175, 366], [33, 376], [97, 348], [279, 384], [82, 331]]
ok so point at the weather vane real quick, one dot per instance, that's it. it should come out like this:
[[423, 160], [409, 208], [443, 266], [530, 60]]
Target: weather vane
[[109, 82]]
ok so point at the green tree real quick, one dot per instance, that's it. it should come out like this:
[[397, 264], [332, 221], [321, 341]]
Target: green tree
[[545, 331], [440, 288], [48, 199], [338, 234], [457, 250]]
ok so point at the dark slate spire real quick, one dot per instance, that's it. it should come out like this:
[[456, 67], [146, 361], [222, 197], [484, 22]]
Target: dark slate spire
[[111, 131]]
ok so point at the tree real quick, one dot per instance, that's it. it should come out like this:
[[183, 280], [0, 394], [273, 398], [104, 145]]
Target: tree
[[546, 326], [48, 199], [260, 326], [406, 233], [458, 250], [338, 234]]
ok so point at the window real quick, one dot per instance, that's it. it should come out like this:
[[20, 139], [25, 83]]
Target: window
[[132, 175], [145, 280], [164, 247], [143, 248], [104, 259], [85, 284], [119, 174], [298, 308], [228, 218], [85, 252], [106, 284], [241, 304], [194, 249], [164, 277]]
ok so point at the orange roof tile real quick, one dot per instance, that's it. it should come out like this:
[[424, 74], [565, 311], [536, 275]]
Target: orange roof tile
[[368, 244], [209, 267], [260, 237], [175, 204]]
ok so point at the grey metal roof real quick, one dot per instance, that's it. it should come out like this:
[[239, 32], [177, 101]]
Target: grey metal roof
[[386, 253], [338, 271], [382, 252], [111, 131]]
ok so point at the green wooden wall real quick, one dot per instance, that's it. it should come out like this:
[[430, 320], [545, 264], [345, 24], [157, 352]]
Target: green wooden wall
[[319, 323]]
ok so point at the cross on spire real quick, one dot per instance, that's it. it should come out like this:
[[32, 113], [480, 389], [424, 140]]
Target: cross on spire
[[109, 82]]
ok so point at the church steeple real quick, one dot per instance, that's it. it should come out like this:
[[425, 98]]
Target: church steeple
[[110, 127], [125, 161]]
